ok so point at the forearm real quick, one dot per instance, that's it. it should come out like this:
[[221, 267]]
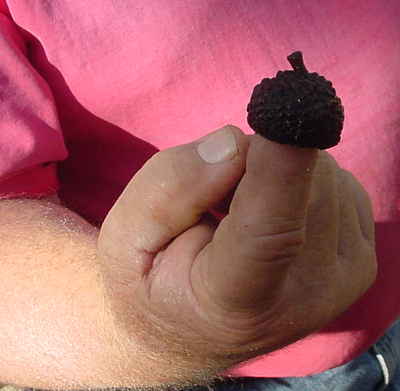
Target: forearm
[[57, 329]]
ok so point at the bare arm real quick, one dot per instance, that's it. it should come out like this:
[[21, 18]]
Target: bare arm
[[54, 321], [56, 329]]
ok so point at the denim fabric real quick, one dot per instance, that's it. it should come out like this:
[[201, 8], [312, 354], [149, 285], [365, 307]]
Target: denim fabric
[[375, 370]]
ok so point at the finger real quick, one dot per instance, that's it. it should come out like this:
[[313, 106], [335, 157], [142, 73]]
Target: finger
[[169, 195], [355, 251], [247, 261], [364, 209], [221, 209], [350, 234], [323, 210]]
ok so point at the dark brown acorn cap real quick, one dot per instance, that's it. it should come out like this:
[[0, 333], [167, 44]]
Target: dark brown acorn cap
[[297, 107]]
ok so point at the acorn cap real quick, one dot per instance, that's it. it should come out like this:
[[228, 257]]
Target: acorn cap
[[297, 107]]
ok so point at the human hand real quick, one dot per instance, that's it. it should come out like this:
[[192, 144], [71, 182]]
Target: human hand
[[294, 251]]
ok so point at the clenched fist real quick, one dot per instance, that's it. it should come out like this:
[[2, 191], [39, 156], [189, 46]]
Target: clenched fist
[[293, 249]]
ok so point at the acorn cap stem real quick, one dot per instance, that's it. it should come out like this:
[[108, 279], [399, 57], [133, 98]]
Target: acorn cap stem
[[296, 61]]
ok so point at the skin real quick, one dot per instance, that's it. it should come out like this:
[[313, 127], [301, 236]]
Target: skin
[[166, 293]]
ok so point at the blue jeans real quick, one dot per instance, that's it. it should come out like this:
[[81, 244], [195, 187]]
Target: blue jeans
[[375, 370]]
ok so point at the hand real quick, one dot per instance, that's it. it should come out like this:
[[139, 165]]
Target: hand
[[294, 251]]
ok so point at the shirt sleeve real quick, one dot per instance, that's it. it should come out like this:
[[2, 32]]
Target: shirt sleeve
[[31, 141]]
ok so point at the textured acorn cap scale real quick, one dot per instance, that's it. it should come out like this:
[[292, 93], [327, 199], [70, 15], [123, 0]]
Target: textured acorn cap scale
[[297, 107]]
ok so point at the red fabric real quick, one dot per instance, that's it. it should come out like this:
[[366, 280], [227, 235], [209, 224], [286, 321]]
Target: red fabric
[[36, 181], [114, 81]]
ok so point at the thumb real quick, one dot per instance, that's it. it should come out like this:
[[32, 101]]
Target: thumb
[[167, 196], [247, 262]]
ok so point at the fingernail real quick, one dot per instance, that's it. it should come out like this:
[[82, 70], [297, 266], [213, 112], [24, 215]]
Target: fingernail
[[218, 147]]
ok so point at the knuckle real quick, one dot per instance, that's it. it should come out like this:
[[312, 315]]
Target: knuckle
[[361, 195], [349, 179], [346, 175], [372, 265], [156, 204], [347, 183], [278, 239], [171, 174], [326, 163], [328, 158]]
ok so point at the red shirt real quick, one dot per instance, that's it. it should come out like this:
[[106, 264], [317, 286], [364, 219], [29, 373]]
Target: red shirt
[[89, 92]]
